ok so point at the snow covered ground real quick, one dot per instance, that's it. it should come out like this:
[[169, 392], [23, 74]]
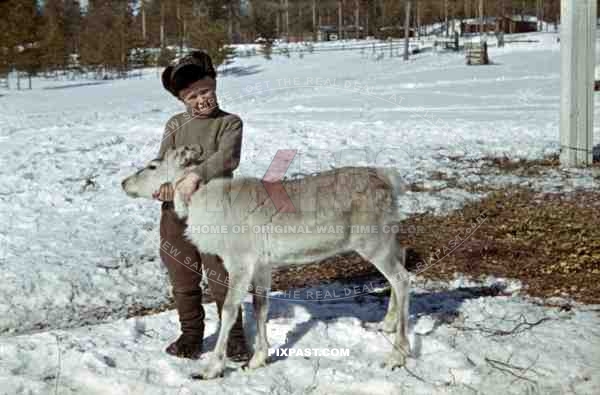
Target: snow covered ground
[[74, 249], [463, 343]]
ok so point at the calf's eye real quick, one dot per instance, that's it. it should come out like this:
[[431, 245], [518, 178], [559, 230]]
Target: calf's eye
[[152, 167]]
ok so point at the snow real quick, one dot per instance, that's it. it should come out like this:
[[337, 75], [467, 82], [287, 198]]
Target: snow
[[451, 339], [74, 250]]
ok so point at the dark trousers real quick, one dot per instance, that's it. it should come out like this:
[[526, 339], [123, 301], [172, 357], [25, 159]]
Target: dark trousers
[[184, 262]]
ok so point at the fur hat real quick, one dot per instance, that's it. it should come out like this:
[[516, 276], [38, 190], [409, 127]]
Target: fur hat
[[186, 70]]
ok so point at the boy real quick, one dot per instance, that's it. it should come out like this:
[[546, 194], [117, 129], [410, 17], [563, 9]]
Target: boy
[[192, 80]]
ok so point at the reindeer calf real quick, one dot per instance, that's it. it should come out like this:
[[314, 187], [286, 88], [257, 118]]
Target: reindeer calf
[[342, 200]]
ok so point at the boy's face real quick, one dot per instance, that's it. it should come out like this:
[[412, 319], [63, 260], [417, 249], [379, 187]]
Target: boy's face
[[200, 96]]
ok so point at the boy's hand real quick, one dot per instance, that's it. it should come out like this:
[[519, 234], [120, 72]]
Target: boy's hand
[[165, 193], [188, 185]]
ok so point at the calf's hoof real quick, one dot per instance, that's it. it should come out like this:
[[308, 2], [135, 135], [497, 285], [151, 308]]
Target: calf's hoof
[[213, 369], [395, 360], [383, 326], [259, 359]]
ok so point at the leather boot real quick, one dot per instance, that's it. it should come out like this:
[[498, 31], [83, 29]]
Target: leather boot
[[185, 347]]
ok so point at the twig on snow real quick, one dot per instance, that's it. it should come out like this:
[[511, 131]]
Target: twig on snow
[[313, 386], [519, 328], [59, 363], [508, 368]]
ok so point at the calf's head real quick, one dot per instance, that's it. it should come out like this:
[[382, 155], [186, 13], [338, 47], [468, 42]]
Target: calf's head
[[169, 168]]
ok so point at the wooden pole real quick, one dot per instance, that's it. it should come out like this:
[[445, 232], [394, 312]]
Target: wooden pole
[[577, 51], [406, 29]]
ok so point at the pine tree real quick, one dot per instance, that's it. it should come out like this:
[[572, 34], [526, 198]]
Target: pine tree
[[7, 36], [53, 44], [18, 36], [113, 21], [72, 26], [211, 37], [262, 18]]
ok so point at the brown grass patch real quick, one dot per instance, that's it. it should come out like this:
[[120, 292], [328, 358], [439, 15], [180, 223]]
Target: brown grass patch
[[551, 242]]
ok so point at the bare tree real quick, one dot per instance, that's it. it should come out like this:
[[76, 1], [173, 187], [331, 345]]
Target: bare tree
[[315, 28], [72, 26], [406, 30], [356, 17], [143, 16], [287, 18], [340, 19], [162, 24]]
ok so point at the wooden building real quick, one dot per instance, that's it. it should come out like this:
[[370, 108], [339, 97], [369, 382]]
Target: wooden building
[[517, 24], [393, 32], [473, 25]]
